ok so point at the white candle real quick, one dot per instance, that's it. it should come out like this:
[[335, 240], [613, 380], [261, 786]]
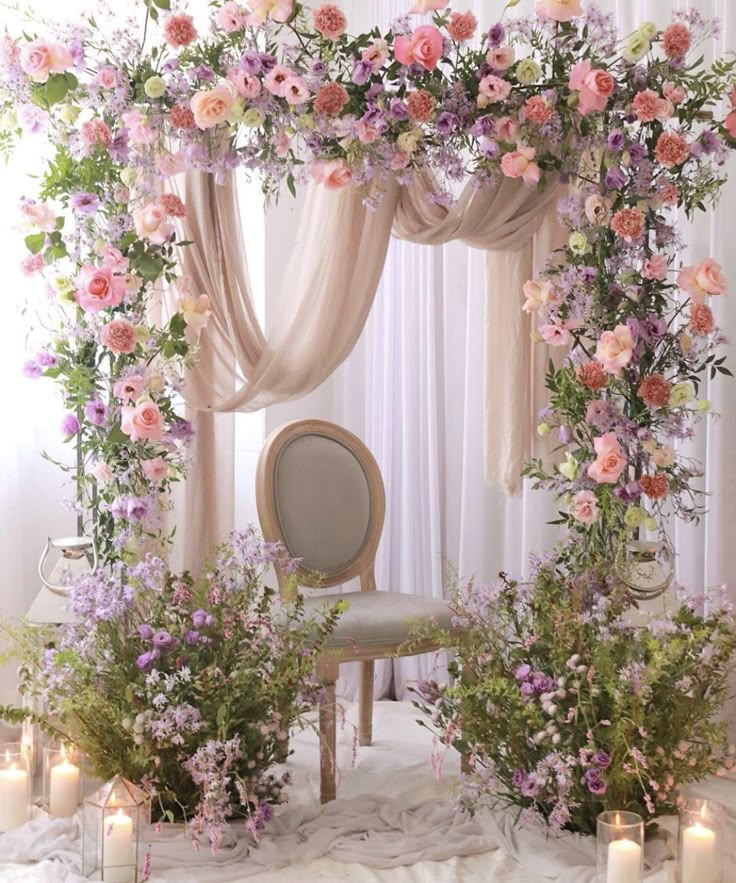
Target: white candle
[[117, 858], [624, 862], [63, 788], [13, 798], [698, 854]]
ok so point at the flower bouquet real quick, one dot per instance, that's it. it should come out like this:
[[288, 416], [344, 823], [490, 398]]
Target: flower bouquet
[[187, 689], [568, 710]]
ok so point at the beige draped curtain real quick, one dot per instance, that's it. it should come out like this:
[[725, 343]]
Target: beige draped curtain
[[327, 293]]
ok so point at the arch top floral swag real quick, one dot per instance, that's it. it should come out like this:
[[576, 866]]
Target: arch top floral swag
[[283, 90]]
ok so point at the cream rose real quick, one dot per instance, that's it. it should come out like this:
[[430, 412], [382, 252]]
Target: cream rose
[[151, 224], [213, 106]]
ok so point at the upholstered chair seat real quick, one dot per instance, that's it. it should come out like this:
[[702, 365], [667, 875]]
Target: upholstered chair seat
[[320, 494]]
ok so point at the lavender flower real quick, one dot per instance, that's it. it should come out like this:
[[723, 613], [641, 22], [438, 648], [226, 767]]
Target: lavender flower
[[69, 425], [96, 412], [85, 203], [32, 370]]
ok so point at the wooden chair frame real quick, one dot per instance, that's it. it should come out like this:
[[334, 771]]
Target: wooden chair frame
[[361, 567]]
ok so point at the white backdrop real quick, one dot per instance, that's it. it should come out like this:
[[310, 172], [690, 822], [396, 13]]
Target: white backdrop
[[412, 389]]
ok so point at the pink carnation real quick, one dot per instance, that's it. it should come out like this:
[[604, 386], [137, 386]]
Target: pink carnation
[[182, 117], [331, 99], [671, 149], [610, 461], [537, 110], [32, 264], [628, 223], [96, 134], [329, 20], [676, 40], [179, 30], [646, 105], [172, 205], [462, 26], [421, 105], [119, 337]]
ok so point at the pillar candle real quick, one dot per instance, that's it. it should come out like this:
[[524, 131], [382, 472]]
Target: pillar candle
[[13, 798], [63, 789], [698, 854], [117, 858], [624, 862]]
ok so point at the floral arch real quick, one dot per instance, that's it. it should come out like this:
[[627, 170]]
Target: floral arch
[[281, 88]]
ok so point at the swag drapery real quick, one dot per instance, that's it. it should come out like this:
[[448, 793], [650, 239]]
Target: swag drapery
[[327, 293]]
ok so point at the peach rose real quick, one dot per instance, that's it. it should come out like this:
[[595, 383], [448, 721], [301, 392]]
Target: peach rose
[[584, 507], [213, 106], [118, 336], [424, 47], [277, 10], [39, 59], [195, 310], [98, 288], [594, 86], [333, 175], [142, 422], [664, 457], [422, 7], [151, 224], [703, 279], [559, 10], [520, 164], [156, 470], [615, 349], [610, 461]]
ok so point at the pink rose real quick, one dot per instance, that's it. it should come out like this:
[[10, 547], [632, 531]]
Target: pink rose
[[538, 294], [506, 129], [501, 58], [520, 164], [333, 175], [106, 77], [246, 84], [38, 215], [39, 59], [143, 421], [230, 17], [156, 470], [559, 10], [421, 7], [595, 87], [97, 289], [424, 47], [655, 267], [151, 224], [129, 389], [119, 337], [213, 106], [704, 279], [585, 507], [610, 461], [556, 333], [113, 259], [492, 89], [170, 164], [276, 10], [615, 349]]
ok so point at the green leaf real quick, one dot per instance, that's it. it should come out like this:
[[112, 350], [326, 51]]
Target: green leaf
[[163, 4], [56, 88], [35, 242], [291, 185]]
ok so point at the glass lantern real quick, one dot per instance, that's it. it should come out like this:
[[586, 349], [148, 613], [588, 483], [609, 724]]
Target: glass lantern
[[620, 847], [116, 822], [646, 567], [701, 842], [63, 778], [15, 785]]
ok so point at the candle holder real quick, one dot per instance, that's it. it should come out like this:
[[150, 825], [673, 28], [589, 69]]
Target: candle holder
[[63, 779], [116, 822], [620, 847], [701, 842], [15, 785]]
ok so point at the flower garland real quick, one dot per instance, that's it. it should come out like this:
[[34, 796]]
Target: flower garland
[[283, 90]]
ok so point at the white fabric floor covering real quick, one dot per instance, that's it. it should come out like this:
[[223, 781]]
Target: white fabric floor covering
[[392, 822]]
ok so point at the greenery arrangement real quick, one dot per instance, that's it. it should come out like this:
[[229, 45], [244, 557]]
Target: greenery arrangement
[[188, 689]]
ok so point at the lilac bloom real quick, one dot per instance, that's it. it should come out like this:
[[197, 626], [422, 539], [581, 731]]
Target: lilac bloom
[[69, 425], [251, 62], [119, 508], [96, 412], [136, 509], [496, 34], [32, 370], [199, 618], [46, 359], [615, 179], [616, 140], [145, 660], [522, 672], [268, 62], [530, 788], [601, 759], [637, 152], [518, 777], [447, 123], [85, 203], [483, 126], [595, 783], [163, 641], [145, 631], [630, 493], [362, 71], [319, 67], [118, 149], [191, 638], [399, 110]]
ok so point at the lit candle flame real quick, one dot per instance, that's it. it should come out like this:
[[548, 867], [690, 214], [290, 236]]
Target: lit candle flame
[[63, 751], [702, 810], [7, 755], [618, 819]]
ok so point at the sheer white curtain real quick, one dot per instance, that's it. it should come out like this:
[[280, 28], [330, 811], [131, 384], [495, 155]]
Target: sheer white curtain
[[413, 390]]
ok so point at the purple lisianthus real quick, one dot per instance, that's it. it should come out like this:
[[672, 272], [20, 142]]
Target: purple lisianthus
[[482, 126], [46, 359], [630, 493], [399, 110], [136, 508], [191, 638], [518, 777], [163, 641], [145, 631], [489, 147], [615, 179], [542, 683], [268, 61], [118, 149], [181, 430], [530, 787], [362, 71], [32, 370], [616, 140], [564, 433], [266, 811], [69, 425], [601, 759], [638, 153], [447, 123], [96, 412], [319, 68], [119, 508], [496, 34], [523, 671], [527, 690], [594, 781], [251, 62], [200, 619], [85, 203], [145, 660], [652, 329]]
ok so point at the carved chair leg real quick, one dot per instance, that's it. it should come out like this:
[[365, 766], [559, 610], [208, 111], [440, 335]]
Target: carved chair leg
[[365, 729], [328, 733]]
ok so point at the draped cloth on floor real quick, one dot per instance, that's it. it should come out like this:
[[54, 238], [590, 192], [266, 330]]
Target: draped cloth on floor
[[327, 293]]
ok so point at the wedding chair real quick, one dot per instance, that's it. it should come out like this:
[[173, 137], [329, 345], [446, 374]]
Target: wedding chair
[[320, 494]]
